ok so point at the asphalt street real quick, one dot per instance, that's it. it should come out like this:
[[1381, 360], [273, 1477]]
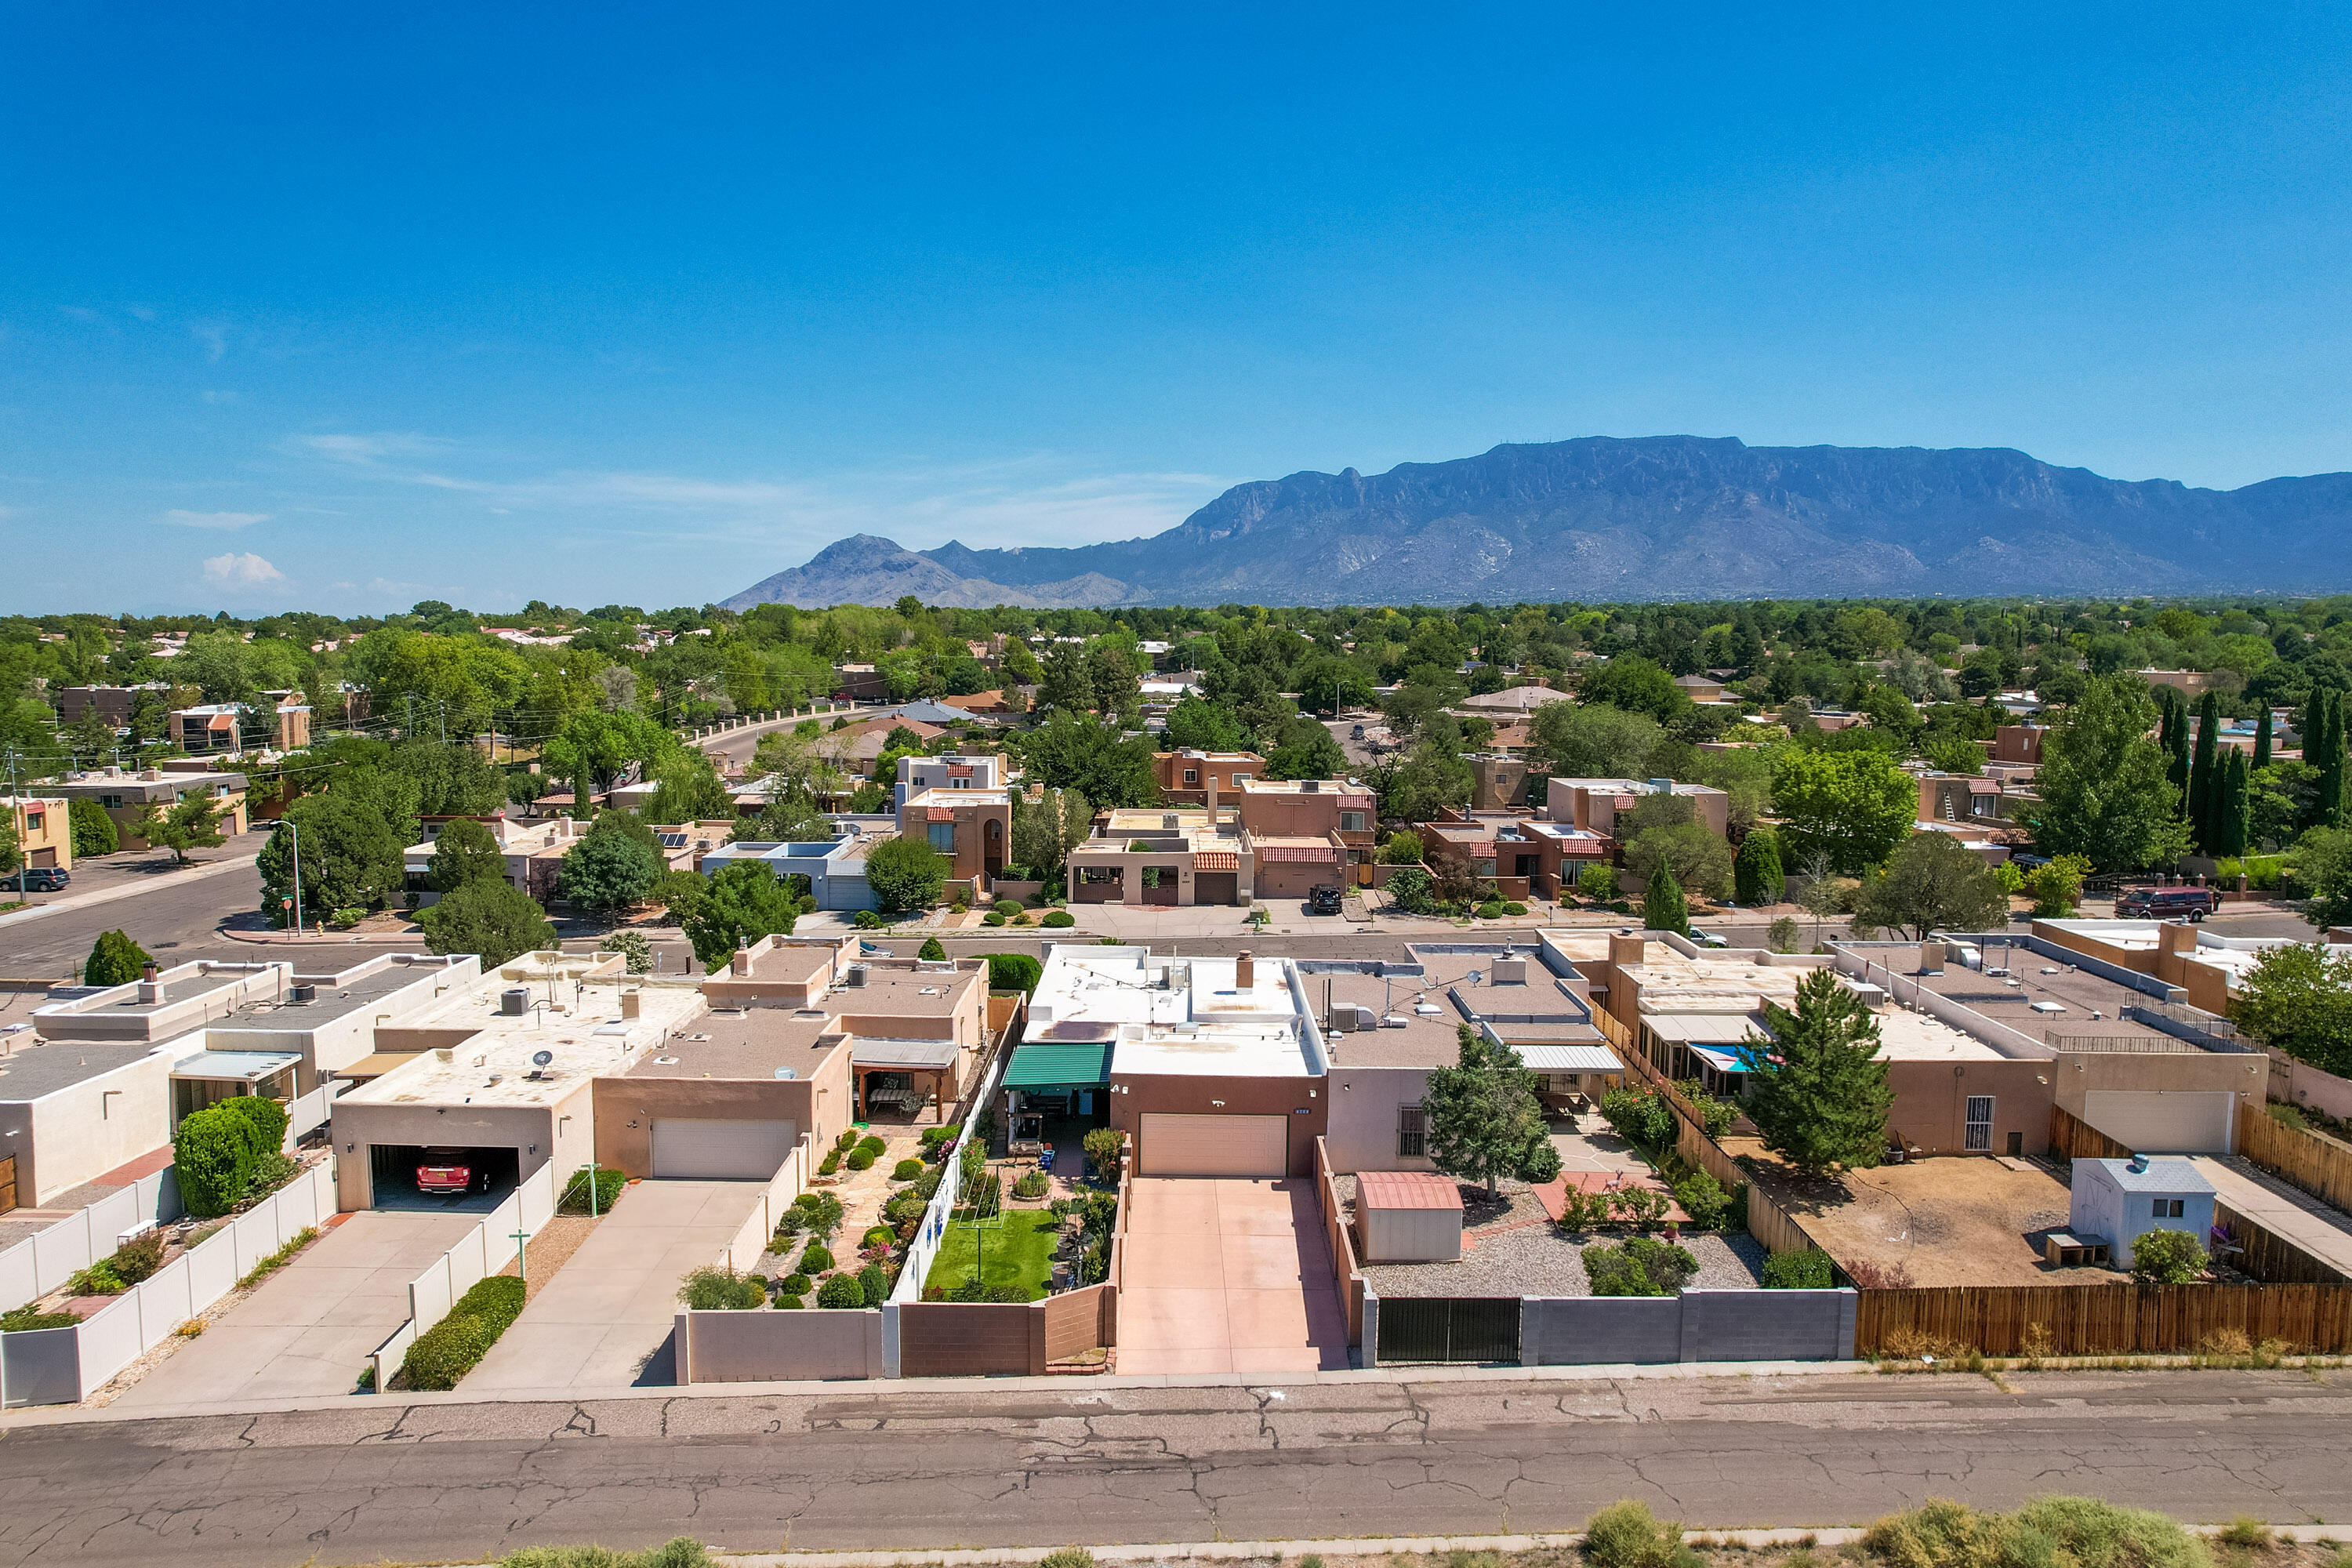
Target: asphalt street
[[935, 1466]]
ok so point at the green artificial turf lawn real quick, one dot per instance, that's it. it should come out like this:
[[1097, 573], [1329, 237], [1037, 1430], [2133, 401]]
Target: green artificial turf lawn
[[1019, 1252]]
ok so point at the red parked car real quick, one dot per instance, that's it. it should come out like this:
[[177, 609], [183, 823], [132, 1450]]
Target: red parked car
[[449, 1172]]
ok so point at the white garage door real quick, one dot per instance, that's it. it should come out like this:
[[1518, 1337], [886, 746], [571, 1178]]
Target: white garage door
[[720, 1151], [1216, 1145], [2147, 1123]]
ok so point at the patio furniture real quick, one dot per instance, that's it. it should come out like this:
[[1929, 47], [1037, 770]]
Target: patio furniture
[[1025, 1148], [1045, 1159]]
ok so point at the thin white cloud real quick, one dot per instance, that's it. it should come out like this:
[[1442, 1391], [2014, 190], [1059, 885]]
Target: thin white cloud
[[241, 570], [228, 521], [214, 335]]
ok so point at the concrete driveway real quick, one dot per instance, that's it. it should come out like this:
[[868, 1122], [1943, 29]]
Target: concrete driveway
[[604, 1319], [309, 1326], [1227, 1275]]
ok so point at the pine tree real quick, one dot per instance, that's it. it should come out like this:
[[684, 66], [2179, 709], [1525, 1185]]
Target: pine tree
[[2202, 782], [2175, 744], [1823, 1102], [2233, 808], [1485, 1122], [1663, 906], [115, 960], [2328, 725], [1758, 873], [2262, 738]]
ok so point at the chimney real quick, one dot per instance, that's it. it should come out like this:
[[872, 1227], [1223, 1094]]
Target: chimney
[[1931, 957], [1626, 950], [1210, 775], [632, 1005], [150, 984], [741, 964], [1508, 972], [1245, 970], [2180, 937]]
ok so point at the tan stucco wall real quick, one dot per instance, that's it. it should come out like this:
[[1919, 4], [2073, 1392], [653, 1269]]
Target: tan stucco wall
[[2169, 1072], [626, 1109], [1931, 1101], [84, 1132]]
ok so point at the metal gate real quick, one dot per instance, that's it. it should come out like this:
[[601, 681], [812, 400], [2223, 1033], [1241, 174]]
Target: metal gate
[[1449, 1328]]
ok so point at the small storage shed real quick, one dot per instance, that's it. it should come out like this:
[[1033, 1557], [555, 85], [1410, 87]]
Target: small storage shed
[[2118, 1200], [1408, 1217]]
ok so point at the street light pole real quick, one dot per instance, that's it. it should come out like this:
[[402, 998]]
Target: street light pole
[[296, 829]]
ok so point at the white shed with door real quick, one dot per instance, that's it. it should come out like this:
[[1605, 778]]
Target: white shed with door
[[1187, 1145], [692, 1149], [1408, 1217], [2119, 1201]]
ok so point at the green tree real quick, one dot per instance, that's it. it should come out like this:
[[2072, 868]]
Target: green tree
[[593, 748], [1662, 905], [1701, 861], [467, 851], [1594, 741], [2056, 885], [2298, 999], [906, 874], [2262, 738], [93, 830], [2232, 807], [1851, 808], [2202, 780], [2324, 748], [1070, 750], [744, 903], [1934, 881], [212, 1157], [1637, 685], [611, 869], [2323, 868], [1820, 1101], [191, 823], [1757, 872], [115, 960], [1195, 724], [2166, 1258], [636, 953], [1013, 972], [1485, 1122], [1305, 751], [490, 919], [687, 788], [1416, 786], [2103, 788], [350, 858]]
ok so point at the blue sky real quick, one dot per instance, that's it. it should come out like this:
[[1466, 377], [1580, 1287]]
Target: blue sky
[[598, 304]]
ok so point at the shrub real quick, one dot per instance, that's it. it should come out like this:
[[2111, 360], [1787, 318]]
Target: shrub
[[1067, 1557], [1639, 1267], [841, 1291], [1102, 1145], [928, 1182], [608, 1184], [2048, 1530], [1057, 920], [878, 1235], [711, 1288], [1703, 1198], [793, 1284], [2167, 1257], [847, 1142], [139, 1257], [1411, 890], [870, 1145], [1032, 1184], [906, 1170], [939, 1138], [1013, 972], [454, 1346], [271, 1170], [874, 1284], [861, 1160], [1628, 1535], [787, 1302], [815, 1260], [115, 960], [991, 919], [23, 1320], [1492, 910], [1782, 934], [1598, 883], [211, 1157], [932, 953], [867, 920], [1807, 1270], [829, 1165], [1401, 849], [1870, 1275], [269, 1119], [1513, 907], [904, 1204], [98, 1280]]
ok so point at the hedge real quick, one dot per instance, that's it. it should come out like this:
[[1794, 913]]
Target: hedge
[[211, 1157], [609, 1183], [841, 1291], [269, 1119], [906, 1170], [1057, 918], [456, 1345], [1807, 1270]]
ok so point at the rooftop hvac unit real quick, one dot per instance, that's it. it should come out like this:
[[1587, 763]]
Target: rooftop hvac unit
[[854, 977], [303, 995], [515, 1000]]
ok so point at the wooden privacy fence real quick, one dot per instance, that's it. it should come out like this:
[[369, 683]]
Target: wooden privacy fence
[[2317, 1165], [2071, 1138], [2102, 1319]]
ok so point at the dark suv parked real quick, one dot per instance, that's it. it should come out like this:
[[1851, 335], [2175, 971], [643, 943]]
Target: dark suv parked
[[2191, 904], [41, 880], [1323, 901]]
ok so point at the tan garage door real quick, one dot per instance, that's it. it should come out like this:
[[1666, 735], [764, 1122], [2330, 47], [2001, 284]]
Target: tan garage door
[[1216, 1145], [689, 1149], [2147, 1123]]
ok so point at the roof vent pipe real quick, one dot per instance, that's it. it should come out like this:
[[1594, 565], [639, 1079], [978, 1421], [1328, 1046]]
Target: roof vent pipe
[[1245, 970]]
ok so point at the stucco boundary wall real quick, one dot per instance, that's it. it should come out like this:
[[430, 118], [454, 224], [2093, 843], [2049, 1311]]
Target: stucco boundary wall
[[2300, 1083], [62, 1366], [481, 1252], [1345, 1274], [771, 1346], [790, 1181], [47, 1260]]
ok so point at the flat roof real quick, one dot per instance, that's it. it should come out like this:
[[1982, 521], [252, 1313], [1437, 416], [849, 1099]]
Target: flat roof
[[240, 1066], [1908, 1037], [37, 1071], [871, 1051], [794, 963], [281, 1012], [743, 1043], [495, 1065], [1183, 1050], [914, 993], [2067, 996]]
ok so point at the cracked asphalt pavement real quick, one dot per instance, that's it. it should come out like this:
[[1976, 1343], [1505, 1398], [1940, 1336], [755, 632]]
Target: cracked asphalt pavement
[[926, 1467]]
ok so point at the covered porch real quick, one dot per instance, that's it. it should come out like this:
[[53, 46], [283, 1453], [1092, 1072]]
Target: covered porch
[[1053, 1088], [899, 1080]]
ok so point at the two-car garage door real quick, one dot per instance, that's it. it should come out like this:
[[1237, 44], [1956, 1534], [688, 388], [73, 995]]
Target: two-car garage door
[[2149, 1122], [1216, 1145], [691, 1150]]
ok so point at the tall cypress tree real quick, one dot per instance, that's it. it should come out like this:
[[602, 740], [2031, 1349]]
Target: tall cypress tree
[[2262, 738], [2233, 807], [2329, 711], [2175, 744], [2201, 781]]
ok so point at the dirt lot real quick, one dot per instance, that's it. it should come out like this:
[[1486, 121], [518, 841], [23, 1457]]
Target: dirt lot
[[1957, 1220]]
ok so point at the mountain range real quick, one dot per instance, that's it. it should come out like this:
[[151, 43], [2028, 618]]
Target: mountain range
[[1653, 518]]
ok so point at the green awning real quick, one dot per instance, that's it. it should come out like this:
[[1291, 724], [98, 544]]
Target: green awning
[[1044, 1064]]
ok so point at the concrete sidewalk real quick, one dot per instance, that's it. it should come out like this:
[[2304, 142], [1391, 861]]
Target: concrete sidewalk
[[604, 1319], [2282, 1210]]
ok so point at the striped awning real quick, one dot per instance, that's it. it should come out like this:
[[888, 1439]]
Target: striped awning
[[1300, 854], [1216, 860], [940, 814], [1357, 802]]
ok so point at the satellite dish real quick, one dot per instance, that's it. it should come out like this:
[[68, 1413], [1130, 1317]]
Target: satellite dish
[[787, 1072], [540, 1059]]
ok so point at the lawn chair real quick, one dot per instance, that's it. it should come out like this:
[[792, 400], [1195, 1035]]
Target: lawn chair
[[1046, 1158]]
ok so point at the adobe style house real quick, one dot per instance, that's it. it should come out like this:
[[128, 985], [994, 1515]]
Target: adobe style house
[[1188, 778], [1594, 803], [1323, 811], [44, 831], [961, 806], [126, 794]]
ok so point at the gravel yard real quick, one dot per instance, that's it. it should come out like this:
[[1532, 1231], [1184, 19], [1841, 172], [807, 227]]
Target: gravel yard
[[1512, 1248]]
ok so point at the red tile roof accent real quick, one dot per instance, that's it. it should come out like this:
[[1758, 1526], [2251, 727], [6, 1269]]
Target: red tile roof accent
[[1216, 860], [940, 813], [1405, 1190]]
